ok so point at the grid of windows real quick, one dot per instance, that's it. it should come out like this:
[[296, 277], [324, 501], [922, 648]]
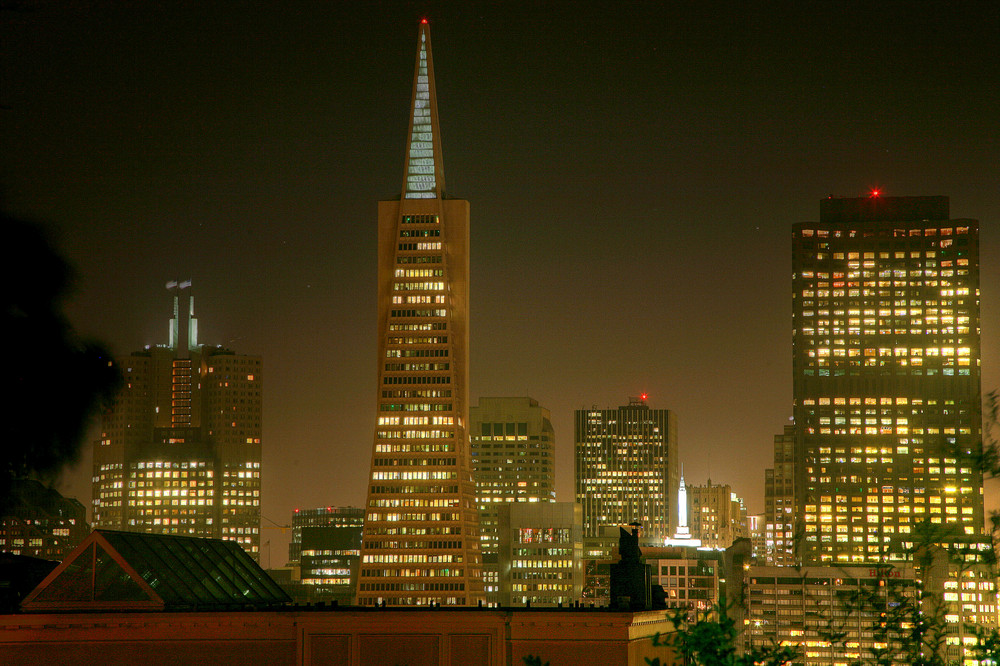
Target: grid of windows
[[180, 451], [421, 484], [887, 378], [513, 460], [627, 468]]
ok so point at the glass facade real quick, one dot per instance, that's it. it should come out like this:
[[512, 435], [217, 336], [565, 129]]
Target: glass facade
[[158, 571]]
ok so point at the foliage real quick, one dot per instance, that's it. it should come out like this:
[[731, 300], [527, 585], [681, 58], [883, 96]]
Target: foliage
[[903, 626], [713, 642], [55, 381]]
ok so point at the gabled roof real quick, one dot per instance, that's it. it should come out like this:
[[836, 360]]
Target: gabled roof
[[136, 571]]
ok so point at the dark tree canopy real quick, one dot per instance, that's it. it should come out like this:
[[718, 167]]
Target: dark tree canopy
[[56, 381]]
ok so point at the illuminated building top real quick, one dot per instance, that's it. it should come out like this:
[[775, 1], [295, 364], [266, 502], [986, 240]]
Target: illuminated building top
[[424, 171]]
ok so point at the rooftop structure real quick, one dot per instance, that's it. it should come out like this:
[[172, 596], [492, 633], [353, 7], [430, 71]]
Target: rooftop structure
[[126, 571]]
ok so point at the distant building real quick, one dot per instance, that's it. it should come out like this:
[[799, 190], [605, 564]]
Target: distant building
[[513, 460], [39, 522], [627, 468], [779, 502], [755, 525], [716, 515], [682, 536], [959, 578], [421, 534], [541, 553], [691, 577], [886, 387], [329, 562], [330, 516], [849, 614], [180, 451]]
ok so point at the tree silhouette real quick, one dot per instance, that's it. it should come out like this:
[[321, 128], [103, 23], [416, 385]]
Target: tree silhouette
[[56, 381]]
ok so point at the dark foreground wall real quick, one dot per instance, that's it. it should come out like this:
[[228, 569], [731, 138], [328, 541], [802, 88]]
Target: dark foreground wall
[[343, 637]]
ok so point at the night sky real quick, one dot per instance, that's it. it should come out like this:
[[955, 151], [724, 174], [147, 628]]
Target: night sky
[[633, 169]]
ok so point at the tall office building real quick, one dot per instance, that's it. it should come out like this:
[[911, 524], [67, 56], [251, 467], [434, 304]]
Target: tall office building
[[627, 468], [513, 460], [180, 450], [421, 537], [886, 375]]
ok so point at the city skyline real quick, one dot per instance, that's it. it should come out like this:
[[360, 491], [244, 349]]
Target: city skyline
[[627, 173]]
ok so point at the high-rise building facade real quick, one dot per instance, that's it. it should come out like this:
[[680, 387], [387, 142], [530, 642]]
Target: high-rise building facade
[[421, 536], [180, 450], [779, 502], [886, 358], [513, 460], [627, 468]]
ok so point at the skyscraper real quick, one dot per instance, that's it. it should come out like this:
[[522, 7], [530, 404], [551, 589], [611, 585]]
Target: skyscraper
[[627, 468], [180, 450], [513, 460], [421, 537], [886, 375]]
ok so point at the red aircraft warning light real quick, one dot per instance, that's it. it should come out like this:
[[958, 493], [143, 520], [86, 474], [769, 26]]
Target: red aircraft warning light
[[423, 20], [875, 193], [643, 396]]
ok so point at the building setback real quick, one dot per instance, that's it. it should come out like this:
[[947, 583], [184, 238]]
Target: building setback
[[180, 449], [886, 362], [421, 536], [627, 468]]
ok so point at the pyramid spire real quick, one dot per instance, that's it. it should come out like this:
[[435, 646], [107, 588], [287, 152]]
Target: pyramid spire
[[424, 171]]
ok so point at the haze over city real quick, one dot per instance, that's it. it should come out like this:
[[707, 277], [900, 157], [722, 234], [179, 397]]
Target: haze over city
[[633, 177]]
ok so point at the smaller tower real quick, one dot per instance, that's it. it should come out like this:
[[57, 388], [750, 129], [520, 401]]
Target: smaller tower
[[682, 537]]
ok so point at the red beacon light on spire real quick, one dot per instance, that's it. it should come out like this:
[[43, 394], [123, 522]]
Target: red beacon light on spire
[[423, 21]]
